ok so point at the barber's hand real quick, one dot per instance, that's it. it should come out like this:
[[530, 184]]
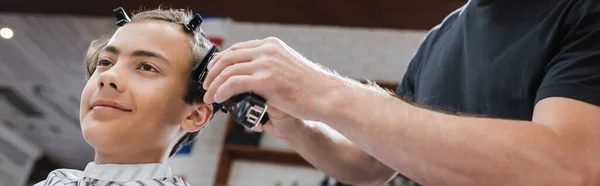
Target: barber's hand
[[293, 86]]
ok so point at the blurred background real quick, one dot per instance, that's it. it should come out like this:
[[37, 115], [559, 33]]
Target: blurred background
[[41, 77]]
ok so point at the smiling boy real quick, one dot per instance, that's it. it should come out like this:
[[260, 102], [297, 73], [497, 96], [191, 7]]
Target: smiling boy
[[139, 106]]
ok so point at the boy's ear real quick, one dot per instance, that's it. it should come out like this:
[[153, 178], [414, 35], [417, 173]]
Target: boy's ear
[[197, 117]]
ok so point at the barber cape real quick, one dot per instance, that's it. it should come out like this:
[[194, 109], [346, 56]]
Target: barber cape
[[114, 175]]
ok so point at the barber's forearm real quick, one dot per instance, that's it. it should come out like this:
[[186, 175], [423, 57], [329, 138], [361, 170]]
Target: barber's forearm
[[330, 152], [441, 149]]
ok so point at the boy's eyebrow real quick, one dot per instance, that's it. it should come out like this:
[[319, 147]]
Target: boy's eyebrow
[[111, 49], [137, 53]]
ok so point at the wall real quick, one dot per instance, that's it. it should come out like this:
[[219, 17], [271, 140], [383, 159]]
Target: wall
[[17, 156], [41, 65], [358, 53]]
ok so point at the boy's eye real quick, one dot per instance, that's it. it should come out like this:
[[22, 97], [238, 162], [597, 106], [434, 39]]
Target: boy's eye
[[147, 67], [104, 62]]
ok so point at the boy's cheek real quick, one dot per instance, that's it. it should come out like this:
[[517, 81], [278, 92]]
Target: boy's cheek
[[86, 95], [88, 90]]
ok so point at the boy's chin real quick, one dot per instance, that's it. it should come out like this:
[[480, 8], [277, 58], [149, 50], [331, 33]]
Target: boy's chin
[[103, 138], [115, 141]]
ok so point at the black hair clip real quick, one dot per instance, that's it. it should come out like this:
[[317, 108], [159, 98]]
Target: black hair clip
[[121, 15], [247, 109], [193, 24]]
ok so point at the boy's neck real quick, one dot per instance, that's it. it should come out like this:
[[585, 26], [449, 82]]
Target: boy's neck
[[130, 158]]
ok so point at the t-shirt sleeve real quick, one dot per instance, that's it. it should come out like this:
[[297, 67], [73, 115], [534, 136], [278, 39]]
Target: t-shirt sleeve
[[405, 89], [575, 71]]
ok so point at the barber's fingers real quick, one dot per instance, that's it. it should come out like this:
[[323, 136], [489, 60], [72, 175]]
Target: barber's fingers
[[237, 46], [239, 69], [230, 58], [234, 86]]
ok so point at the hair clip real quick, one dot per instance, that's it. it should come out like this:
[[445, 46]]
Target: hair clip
[[121, 15], [194, 23]]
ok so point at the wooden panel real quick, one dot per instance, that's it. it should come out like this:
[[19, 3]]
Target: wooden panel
[[248, 153], [225, 160], [386, 85], [223, 169], [399, 14]]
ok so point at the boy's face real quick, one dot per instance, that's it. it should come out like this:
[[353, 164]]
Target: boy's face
[[133, 102]]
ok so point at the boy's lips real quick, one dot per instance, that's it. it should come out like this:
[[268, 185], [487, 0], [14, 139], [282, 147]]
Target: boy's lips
[[109, 104]]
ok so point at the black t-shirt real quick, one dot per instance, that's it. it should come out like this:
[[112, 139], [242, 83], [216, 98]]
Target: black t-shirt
[[499, 58]]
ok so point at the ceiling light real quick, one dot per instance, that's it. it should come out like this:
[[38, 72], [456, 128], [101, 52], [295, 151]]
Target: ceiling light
[[6, 33]]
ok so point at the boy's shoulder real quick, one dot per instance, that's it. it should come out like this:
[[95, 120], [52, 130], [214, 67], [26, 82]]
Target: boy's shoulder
[[64, 176]]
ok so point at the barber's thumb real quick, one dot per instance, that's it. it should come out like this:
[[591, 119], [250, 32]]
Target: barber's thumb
[[276, 114], [259, 128]]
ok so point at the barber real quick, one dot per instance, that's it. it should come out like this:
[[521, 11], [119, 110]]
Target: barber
[[500, 93]]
